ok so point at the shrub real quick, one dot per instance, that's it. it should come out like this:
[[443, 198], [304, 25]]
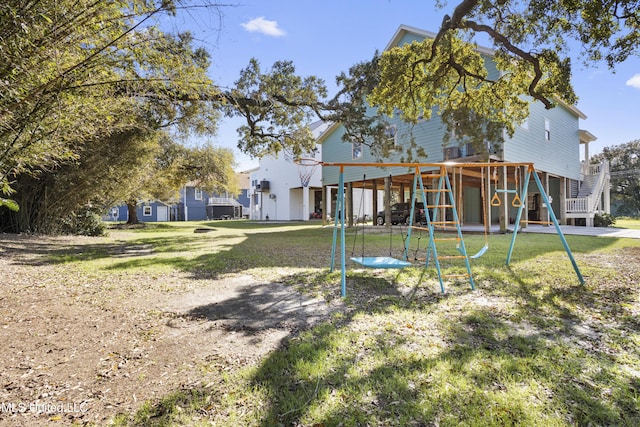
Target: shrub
[[85, 222], [603, 220]]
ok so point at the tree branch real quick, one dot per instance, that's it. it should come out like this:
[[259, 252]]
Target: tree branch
[[526, 56]]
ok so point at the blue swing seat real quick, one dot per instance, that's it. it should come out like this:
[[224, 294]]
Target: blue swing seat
[[480, 252], [380, 262]]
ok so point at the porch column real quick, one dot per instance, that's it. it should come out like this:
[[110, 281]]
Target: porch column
[[487, 199], [252, 206], [374, 202], [305, 203], [544, 212], [349, 205], [586, 153], [504, 206], [323, 205], [563, 199], [460, 196], [387, 201], [607, 195]]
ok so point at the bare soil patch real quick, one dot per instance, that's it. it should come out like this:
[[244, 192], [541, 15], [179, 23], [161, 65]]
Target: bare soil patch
[[80, 347]]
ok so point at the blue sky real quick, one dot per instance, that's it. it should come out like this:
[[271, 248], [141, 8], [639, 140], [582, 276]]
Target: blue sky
[[327, 37]]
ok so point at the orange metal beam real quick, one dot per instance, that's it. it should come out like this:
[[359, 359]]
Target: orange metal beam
[[429, 165]]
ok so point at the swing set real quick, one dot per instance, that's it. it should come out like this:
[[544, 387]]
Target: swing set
[[495, 200], [376, 261], [444, 199]]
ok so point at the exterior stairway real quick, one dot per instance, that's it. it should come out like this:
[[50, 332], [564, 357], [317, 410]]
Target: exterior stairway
[[588, 200]]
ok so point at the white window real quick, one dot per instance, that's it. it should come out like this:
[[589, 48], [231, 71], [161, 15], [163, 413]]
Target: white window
[[198, 195], [391, 132], [146, 211], [525, 125], [547, 130], [356, 150]]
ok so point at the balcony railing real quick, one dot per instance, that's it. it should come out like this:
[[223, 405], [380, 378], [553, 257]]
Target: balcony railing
[[217, 201], [587, 205], [579, 205]]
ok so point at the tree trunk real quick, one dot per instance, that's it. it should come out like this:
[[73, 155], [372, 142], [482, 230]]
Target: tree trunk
[[133, 212]]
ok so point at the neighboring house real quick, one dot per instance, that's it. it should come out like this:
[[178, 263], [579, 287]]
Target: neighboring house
[[277, 190], [551, 139], [150, 211], [194, 205], [244, 198], [197, 205]]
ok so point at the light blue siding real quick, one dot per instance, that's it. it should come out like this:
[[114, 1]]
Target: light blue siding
[[560, 155], [427, 133]]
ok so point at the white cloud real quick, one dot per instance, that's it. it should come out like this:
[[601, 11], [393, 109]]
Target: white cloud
[[634, 81], [261, 25]]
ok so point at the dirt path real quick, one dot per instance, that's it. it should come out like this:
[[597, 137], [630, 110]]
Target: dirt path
[[82, 347]]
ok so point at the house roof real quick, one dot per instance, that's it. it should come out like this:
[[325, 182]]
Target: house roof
[[313, 126], [586, 136], [407, 29], [250, 170]]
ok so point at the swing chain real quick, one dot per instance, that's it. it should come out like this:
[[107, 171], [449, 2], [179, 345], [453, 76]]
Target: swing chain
[[517, 201]]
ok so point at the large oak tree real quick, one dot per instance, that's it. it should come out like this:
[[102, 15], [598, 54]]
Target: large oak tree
[[533, 42], [89, 92], [79, 72]]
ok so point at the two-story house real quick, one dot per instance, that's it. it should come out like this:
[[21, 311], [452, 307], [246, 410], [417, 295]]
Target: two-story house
[[551, 139], [194, 204]]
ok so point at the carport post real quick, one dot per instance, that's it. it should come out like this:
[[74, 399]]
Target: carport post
[[340, 214]]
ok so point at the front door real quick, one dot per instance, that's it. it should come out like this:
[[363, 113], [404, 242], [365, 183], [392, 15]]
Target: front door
[[163, 213]]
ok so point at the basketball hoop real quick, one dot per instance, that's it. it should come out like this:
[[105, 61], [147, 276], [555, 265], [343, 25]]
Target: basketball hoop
[[306, 168]]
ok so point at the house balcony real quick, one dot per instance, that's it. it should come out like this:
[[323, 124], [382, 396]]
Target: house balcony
[[222, 201], [588, 202]]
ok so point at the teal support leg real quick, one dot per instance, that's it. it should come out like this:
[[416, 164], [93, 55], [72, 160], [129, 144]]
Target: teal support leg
[[518, 216], [558, 229], [343, 266], [456, 219], [335, 239], [335, 232]]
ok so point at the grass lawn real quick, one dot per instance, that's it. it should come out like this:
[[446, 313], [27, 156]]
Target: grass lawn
[[626, 222], [529, 346]]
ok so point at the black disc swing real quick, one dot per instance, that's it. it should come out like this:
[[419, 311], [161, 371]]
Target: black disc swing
[[374, 261]]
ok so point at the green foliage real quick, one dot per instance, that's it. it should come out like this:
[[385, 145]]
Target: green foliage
[[448, 76], [603, 220], [84, 222], [88, 89], [624, 167], [77, 73], [419, 83], [276, 105], [212, 168], [362, 123], [9, 204]]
